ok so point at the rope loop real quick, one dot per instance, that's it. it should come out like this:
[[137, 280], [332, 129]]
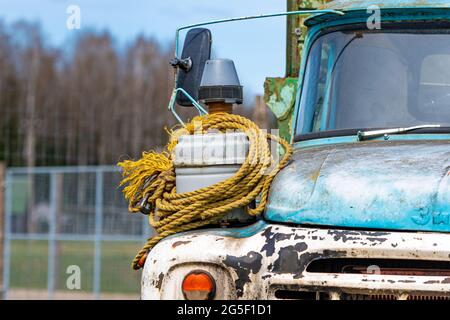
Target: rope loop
[[150, 182]]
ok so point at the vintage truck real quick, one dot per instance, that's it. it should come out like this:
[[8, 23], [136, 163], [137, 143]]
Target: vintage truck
[[362, 211]]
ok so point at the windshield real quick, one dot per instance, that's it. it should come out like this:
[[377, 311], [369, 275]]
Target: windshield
[[362, 79]]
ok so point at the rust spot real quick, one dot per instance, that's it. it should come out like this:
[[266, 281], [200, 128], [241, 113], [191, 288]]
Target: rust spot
[[179, 243], [380, 240], [431, 282], [159, 282], [315, 175], [344, 236], [407, 281], [446, 280]]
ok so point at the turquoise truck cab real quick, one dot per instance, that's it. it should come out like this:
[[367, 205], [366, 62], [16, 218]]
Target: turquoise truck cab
[[362, 211], [355, 80]]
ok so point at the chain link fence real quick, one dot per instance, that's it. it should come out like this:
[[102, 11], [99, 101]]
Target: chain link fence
[[68, 234]]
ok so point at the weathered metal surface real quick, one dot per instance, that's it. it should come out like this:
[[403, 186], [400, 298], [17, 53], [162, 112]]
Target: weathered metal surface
[[390, 11], [345, 5], [277, 256], [279, 96], [401, 185]]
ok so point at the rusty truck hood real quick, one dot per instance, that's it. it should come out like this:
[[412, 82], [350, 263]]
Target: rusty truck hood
[[400, 185]]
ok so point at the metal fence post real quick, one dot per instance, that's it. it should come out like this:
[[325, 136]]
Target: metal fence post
[[98, 232], [146, 230], [2, 221], [7, 235], [52, 237]]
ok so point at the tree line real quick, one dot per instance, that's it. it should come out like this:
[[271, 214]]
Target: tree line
[[88, 103]]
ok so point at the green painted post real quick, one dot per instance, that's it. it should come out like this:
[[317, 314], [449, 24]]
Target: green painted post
[[295, 33], [280, 93]]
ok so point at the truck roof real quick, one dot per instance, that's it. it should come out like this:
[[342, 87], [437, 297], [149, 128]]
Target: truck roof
[[346, 5], [360, 7]]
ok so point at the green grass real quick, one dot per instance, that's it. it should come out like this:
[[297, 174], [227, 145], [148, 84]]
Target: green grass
[[29, 265]]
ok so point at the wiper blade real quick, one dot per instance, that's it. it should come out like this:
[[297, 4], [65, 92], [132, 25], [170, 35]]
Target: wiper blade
[[364, 135]]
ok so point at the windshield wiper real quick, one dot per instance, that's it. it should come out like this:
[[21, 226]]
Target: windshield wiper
[[364, 135]]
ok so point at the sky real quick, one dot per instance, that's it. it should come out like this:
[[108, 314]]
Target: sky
[[257, 47]]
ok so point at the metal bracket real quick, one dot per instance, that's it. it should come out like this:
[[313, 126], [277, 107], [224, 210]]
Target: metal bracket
[[171, 107]]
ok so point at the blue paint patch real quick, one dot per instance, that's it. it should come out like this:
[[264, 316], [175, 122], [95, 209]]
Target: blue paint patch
[[238, 233], [400, 185]]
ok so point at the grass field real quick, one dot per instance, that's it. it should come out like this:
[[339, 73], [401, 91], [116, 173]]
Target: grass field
[[29, 265]]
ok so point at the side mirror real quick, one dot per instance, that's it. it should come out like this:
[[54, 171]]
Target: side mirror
[[196, 51]]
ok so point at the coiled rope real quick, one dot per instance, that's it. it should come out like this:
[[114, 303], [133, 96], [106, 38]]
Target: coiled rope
[[150, 182]]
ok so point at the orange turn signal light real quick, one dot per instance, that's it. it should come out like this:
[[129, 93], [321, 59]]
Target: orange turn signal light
[[198, 285]]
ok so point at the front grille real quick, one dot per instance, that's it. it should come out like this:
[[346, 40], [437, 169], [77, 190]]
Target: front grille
[[414, 297], [401, 267], [300, 295], [346, 296], [283, 294]]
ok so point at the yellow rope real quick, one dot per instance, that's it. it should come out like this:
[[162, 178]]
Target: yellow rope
[[150, 182]]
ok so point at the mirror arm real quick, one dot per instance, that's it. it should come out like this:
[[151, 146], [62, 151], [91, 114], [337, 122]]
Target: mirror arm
[[288, 13]]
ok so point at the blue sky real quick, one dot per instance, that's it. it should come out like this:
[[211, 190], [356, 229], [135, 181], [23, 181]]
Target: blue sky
[[257, 47]]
